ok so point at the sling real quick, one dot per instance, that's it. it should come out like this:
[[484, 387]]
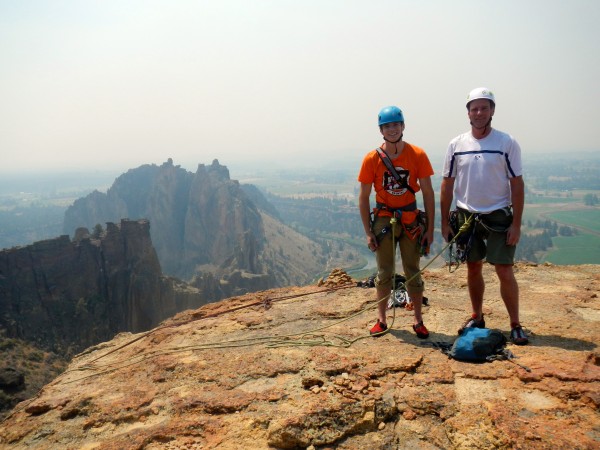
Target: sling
[[388, 163]]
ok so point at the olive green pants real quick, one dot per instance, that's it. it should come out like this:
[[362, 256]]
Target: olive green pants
[[410, 254]]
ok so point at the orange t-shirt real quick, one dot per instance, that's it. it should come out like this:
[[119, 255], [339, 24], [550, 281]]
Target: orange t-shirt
[[412, 163]]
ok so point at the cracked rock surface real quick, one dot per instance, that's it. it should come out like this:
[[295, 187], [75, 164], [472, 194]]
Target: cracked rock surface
[[295, 368]]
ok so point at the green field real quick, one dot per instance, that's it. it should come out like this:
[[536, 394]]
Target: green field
[[584, 218], [581, 249], [552, 200]]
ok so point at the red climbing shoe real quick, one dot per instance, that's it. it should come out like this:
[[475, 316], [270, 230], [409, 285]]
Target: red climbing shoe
[[378, 328], [421, 330]]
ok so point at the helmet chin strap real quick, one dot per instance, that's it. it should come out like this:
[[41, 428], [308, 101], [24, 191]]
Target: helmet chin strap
[[394, 142], [484, 128]]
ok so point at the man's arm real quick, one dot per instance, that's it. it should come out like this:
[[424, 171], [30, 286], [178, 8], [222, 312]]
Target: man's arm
[[446, 197], [517, 194], [429, 204], [364, 207]]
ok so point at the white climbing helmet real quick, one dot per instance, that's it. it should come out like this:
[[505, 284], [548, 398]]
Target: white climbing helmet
[[481, 92]]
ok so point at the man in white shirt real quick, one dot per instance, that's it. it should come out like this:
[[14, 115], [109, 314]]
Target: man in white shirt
[[483, 171]]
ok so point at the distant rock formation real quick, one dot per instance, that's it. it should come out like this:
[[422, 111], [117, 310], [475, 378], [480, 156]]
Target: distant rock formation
[[204, 226], [66, 295]]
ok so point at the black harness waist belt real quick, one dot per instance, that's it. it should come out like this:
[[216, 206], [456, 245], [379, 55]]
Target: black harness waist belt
[[410, 207], [396, 212]]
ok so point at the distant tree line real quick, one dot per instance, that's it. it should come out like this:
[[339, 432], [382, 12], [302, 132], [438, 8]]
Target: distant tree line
[[564, 175], [533, 243], [317, 216], [590, 199]]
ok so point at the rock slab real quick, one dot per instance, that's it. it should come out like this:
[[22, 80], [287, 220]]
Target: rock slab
[[295, 368]]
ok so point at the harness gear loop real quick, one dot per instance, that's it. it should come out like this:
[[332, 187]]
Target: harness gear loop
[[416, 228], [424, 226], [481, 220]]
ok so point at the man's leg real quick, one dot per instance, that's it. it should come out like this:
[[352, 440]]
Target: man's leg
[[385, 271], [382, 305], [476, 287], [509, 291], [417, 302], [411, 257]]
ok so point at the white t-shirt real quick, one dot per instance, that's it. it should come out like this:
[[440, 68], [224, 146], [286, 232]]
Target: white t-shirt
[[482, 169]]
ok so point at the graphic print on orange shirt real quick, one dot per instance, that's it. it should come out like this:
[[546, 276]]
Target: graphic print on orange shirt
[[391, 186]]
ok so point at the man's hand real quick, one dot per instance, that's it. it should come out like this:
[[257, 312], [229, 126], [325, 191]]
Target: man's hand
[[426, 241], [447, 232], [372, 242], [513, 234]]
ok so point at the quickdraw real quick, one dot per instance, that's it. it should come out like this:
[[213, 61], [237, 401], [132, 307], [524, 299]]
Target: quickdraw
[[462, 238]]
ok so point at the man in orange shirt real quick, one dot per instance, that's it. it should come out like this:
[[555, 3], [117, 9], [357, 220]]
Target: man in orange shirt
[[395, 195]]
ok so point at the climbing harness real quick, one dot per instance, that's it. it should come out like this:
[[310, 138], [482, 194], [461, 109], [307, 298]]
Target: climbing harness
[[413, 229], [463, 235]]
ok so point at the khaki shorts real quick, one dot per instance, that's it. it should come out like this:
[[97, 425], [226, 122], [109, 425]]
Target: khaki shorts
[[489, 239], [410, 253]]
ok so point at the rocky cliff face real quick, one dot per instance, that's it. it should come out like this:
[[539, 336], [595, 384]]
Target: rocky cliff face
[[65, 295], [296, 369], [202, 223]]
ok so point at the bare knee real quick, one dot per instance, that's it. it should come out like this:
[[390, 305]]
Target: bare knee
[[474, 268], [505, 272]]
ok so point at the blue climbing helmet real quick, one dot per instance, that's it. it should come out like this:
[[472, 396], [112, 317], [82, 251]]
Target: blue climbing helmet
[[390, 114]]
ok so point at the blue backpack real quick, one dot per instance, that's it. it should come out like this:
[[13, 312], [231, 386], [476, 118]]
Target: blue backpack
[[478, 344]]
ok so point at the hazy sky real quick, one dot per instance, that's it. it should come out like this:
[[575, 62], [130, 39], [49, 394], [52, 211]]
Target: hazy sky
[[115, 84]]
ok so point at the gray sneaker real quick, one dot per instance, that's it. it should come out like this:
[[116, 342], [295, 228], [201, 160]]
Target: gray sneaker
[[518, 336], [472, 322]]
